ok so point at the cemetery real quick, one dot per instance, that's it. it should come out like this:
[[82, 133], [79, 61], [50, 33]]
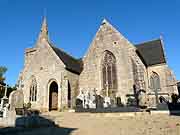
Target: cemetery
[[13, 108], [89, 68]]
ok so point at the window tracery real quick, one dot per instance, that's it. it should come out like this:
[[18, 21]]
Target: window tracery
[[33, 91], [155, 82], [138, 74], [109, 71]]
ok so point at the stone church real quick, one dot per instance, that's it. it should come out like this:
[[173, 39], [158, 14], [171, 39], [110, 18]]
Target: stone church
[[112, 67]]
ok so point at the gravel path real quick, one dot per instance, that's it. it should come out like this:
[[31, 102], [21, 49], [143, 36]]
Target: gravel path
[[95, 124], [100, 124]]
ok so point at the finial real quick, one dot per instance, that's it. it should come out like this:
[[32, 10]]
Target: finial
[[104, 21], [161, 36]]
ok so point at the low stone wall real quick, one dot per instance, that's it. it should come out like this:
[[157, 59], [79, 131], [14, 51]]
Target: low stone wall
[[8, 121]]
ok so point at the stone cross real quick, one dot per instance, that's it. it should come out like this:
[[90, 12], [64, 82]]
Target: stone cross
[[107, 88], [5, 91], [4, 100]]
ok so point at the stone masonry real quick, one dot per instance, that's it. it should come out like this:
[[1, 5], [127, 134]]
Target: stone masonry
[[46, 64]]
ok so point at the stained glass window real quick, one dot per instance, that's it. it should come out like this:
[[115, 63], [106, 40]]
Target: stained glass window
[[109, 71]]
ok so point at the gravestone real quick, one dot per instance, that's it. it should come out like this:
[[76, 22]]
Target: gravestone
[[16, 100], [80, 100], [118, 102], [86, 99], [107, 102], [79, 103], [4, 100], [92, 99], [5, 112], [142, 99], [99, 102]]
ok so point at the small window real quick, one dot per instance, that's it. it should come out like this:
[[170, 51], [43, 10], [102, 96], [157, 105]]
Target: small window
[[155, 82], [138, 74], [33, 91]]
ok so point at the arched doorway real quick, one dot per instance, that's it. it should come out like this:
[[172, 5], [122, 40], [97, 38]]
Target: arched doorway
[[53, 96]]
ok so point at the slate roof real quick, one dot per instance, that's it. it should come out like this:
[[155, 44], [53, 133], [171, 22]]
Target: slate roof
[[72, 64], [178, 84], [151, 52]]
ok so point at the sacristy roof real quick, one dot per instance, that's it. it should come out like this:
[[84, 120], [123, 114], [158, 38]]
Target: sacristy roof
[[72, 64], [151, 52]]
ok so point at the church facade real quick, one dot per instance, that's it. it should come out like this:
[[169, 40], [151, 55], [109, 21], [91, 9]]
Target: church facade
[[112, 67]]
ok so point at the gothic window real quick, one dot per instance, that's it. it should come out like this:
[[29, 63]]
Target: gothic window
[[33, 91], [109, 71], [155, 82], [138, 74], [170, 78]]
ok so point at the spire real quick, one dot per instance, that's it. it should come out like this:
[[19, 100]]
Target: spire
[[44, 30]]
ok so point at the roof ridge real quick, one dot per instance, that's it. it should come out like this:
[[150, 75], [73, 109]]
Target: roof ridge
[[71, 63], [52, 45], [137, 44]]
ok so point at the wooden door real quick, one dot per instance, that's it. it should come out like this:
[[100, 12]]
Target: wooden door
[[53, 96], [54, 101]]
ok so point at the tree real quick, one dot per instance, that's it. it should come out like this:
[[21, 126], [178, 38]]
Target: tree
[[2, 72], [9, 90], [2, 83]]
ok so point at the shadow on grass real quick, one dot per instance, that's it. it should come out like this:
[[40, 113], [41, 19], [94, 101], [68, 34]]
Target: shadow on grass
[[35, 125]]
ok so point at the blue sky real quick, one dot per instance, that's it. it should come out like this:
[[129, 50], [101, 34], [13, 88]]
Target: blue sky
[[73, 24]]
